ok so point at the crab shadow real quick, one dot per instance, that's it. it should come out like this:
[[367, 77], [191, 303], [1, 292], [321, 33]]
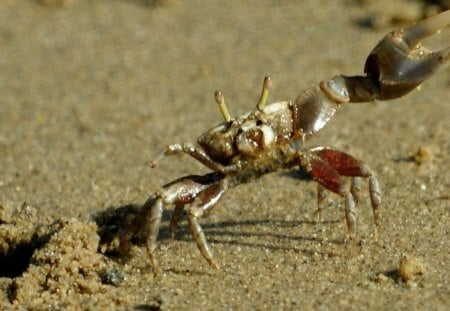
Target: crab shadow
[[115, 221], [149, 4], [271, 234]]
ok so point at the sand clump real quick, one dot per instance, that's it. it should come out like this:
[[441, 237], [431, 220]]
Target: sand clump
[[63, 268], [410, 268]]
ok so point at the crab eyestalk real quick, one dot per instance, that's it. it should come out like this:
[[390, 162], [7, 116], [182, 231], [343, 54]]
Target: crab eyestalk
[[220, 100], [264, 94]]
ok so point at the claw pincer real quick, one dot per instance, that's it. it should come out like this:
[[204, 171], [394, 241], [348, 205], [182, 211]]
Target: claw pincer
[[400, 63]]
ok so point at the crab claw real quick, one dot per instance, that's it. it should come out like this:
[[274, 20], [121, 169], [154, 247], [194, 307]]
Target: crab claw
[[399, 63]]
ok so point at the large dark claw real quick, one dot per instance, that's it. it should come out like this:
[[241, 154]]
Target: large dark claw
[[396, 66], [399, 63]]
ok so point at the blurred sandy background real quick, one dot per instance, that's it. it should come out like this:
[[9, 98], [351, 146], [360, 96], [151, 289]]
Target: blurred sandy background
[[90, 90]]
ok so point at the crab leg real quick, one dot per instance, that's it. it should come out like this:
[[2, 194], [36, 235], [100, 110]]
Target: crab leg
[[154, 208], [195, 152], [330, 179], [327, 166], [180, 192], [205, 201], [355, 190]]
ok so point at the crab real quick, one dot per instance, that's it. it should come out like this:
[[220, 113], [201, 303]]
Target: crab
[[272, 136]]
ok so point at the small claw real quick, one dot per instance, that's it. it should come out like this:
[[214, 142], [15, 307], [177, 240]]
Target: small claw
[[399, 63]]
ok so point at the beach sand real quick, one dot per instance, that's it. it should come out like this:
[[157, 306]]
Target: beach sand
[[91, 90]]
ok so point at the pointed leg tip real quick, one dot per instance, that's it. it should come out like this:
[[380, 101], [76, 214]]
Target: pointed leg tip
[[156, 272], [351, 237], [377, 233], [213, 264], [319, 216], [153, 263]]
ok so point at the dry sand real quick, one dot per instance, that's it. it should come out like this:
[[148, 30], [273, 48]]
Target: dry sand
[[89, 90]]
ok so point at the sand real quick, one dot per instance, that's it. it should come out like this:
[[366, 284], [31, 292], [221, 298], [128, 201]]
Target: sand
[[90, 90]]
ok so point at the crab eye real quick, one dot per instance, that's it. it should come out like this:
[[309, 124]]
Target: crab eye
[[268, 134]]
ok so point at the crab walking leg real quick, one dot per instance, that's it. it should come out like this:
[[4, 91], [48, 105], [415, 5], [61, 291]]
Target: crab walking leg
[[207, 199], [355, 190], [179, 193], [150, 215], [321, 195], [346, 165], [350, 213], [195, 152], [329, 178], [141, 220], [375, 200], [154, 207]]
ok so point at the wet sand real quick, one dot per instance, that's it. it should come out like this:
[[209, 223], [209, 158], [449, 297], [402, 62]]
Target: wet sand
[[90, 90]]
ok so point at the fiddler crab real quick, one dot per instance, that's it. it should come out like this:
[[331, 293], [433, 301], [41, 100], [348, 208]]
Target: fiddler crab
[[262, 141]]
